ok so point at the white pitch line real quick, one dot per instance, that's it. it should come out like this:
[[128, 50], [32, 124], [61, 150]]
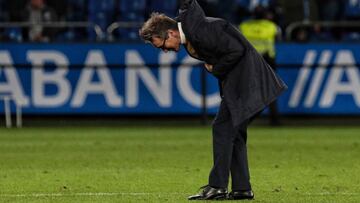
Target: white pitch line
[[86, 194], [140, 194]]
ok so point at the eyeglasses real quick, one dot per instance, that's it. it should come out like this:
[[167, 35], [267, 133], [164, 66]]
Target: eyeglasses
[[163, 45]]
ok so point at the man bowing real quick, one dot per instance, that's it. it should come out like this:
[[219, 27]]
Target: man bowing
[[247, 85]]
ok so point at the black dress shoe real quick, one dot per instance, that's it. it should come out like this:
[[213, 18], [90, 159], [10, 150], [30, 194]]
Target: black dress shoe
[[209, 193], [239, 194]]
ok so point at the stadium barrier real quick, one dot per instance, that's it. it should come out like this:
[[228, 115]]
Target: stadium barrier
[[96, 28]]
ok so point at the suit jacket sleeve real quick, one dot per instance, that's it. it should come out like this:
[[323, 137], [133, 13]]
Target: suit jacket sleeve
[[228, 48], [184, 4], [190, 14]]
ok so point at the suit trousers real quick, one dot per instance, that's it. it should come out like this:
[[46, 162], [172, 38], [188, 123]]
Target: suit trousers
[[229, 152]]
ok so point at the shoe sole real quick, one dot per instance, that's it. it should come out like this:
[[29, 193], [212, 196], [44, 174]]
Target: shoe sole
[[217, 197]]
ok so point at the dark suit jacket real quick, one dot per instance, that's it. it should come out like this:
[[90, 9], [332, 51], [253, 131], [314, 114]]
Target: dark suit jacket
[[248, 83]]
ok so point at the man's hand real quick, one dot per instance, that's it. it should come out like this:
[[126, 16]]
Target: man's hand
[[209, 67]]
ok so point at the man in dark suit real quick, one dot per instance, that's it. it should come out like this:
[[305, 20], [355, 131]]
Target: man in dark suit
[[247, 85]]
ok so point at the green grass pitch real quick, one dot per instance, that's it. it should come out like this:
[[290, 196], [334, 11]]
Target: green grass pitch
[[168, 163]]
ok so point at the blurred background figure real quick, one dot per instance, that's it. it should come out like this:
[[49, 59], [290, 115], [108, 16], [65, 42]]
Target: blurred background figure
[[244, 10], [262, 33], [37, 12]]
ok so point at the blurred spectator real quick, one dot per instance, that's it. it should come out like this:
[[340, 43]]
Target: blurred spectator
[[262, 33], [245, 8], [38, 12]]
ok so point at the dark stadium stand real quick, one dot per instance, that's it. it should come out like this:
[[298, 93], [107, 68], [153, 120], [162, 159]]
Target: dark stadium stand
[[106, 12], [3, 13], [101, 13], [168, 7], [133, 11]]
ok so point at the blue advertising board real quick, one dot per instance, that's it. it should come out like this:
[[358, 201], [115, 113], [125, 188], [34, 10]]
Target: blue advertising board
[[322, 78], [138, 79], [103, 78]]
